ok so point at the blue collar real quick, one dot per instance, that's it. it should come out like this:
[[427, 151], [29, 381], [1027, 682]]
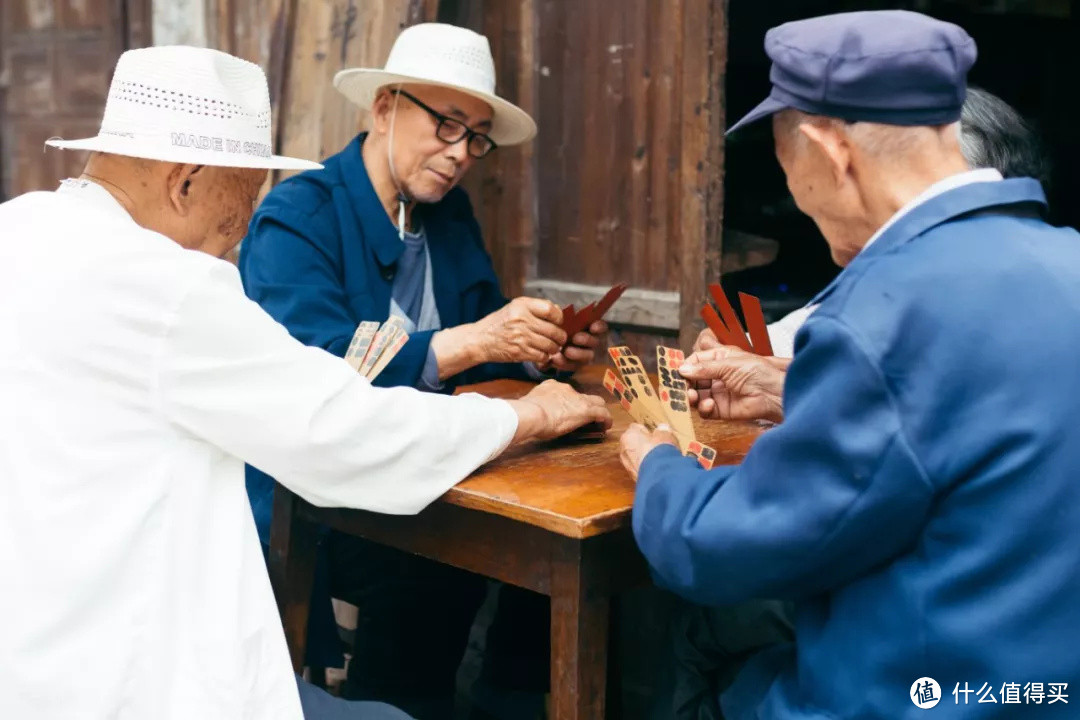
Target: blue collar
[[938, 210], [379, 231]]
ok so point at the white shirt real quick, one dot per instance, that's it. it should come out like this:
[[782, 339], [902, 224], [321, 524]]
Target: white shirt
[[136, 378], [782, 332]]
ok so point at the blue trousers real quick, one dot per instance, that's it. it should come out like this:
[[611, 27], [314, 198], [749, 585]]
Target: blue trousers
[[321, 705]]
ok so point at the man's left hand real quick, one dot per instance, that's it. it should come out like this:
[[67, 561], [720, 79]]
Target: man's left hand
[[637, 442], [580, 351]]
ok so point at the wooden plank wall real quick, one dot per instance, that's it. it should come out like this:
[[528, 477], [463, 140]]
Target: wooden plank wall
[[56, 61], [624, 182], [301, 44]]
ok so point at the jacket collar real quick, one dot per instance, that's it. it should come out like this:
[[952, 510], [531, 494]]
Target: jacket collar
[[379, 231], [939, 210]]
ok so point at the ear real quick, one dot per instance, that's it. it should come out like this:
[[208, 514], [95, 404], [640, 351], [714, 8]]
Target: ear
[[380, 111], [829, 144], [180, 181]]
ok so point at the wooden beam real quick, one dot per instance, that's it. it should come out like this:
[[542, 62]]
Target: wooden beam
[[638, 307], [703, 61]]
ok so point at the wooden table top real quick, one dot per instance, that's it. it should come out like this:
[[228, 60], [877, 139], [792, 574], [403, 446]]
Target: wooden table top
[[575, 489]]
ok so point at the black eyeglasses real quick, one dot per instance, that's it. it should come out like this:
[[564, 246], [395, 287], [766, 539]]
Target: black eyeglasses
[[452, 131]]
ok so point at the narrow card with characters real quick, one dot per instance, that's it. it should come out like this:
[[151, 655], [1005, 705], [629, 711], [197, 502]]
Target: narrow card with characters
[[672, 390], [628, 399], [361, 343], [704, 454], [634, 377], [396, 343], [386, 334]]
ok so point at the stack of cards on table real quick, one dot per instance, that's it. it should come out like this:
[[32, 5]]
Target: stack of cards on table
[[373, 347], [574, 321], [631, 387]]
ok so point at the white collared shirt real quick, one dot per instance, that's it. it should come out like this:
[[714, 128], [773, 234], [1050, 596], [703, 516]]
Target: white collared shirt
[[136, 378], [782, 332]]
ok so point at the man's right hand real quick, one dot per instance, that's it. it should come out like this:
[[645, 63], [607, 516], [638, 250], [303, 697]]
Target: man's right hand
[[706, 340], [731, 384], [524, 330], [553, 409]]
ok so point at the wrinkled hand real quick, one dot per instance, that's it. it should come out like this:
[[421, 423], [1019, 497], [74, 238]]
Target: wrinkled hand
[[727, 383], [706, 340], [524, 330], [637, 442], [552, 409], [581, 350]]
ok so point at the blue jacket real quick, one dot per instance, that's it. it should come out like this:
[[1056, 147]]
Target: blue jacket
[[319, 258], [921, 500]]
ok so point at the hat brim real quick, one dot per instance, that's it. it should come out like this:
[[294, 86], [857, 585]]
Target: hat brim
[[131, 147], [769, 106], [510, 125]]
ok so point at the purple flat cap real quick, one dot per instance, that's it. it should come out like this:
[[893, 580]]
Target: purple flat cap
[[889, 66]]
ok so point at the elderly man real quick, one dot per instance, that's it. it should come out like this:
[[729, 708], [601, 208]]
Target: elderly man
[[736, 385], [385, 230], [137, 379], [930, 392], [710, 644]]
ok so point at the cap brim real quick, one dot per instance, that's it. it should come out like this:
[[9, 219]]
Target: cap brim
[[769, 106], [510, 125], [120, 145]]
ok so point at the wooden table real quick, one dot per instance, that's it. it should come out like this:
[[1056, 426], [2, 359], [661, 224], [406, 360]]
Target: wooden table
[[553, 518]]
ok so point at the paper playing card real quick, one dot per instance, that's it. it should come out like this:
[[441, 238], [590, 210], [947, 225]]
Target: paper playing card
[[395, 344], [386, 334], [672, 391], [361, 343], [755, 323]]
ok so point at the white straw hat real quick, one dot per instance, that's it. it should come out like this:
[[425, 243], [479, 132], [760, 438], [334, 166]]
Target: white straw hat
[[188, 105], [448, 56]]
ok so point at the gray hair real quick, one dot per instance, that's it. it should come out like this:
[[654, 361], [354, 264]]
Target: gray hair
[[994, 135], [991, 134]]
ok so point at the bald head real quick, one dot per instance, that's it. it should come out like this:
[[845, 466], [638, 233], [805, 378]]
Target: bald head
[[200, 207]]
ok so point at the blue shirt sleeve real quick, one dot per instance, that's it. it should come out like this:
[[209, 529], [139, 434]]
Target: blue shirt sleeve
[[429, 376], [819, 500]]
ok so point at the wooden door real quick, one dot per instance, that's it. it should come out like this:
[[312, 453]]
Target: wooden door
[[56, 60]]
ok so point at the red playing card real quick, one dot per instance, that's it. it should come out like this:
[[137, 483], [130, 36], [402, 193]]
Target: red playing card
[[607, 301], [592, 312], [582, 320], [708, 313], [738, 335], [568, 316], [755, 323]]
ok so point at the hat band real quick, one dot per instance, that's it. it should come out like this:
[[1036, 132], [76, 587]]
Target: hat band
[[931, 116]]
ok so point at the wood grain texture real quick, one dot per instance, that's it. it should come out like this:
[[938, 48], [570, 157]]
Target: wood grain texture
[[293, 543], [56, 61], [577, 491], [704, 58], [579, 633]]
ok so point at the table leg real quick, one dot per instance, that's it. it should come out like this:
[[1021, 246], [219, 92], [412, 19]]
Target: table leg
[[293, 543], [579, 633]]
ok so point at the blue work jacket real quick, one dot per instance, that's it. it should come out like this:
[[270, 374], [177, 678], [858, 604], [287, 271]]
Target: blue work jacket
[[920, 502], [319, 257]]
